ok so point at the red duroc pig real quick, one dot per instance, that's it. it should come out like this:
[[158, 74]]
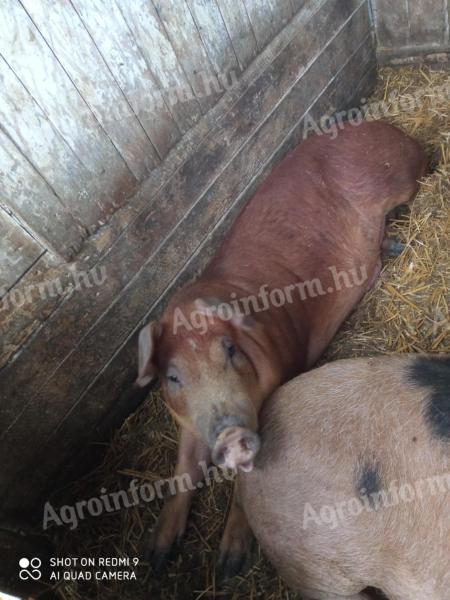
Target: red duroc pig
[[351, 487], [295, 263]]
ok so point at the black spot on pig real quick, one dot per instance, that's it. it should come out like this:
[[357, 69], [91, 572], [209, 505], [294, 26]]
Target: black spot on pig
[[434, 373], [368, 480]]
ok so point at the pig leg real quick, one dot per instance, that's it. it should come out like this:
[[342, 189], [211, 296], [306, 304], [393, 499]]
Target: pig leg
[[172, 521], [392, 247], [236, 538]]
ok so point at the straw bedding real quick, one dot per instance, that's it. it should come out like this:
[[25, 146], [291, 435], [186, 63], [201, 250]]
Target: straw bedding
[[406, 311]]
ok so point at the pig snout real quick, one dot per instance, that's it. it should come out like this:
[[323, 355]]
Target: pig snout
[[236, 447]]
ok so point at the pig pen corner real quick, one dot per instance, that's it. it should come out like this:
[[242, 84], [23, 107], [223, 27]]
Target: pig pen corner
[[122, 172]]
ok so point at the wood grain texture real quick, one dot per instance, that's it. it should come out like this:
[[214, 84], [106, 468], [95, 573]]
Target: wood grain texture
[[160, 56], [100, 179], [18, 251], [428, 23], [282, 12], [214, 35], [392, 22], [30, 198], [260, 15], [268, 17], [240, 30], [184, 36], [29, 128], [97, 348], [410, 30], [119, 49], [65, 33]]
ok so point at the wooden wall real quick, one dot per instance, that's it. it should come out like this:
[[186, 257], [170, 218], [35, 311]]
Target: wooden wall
[[68, 356], [95, 94], [410, 29]]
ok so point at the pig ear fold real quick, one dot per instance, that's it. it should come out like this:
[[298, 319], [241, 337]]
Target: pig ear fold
[[147, 338]]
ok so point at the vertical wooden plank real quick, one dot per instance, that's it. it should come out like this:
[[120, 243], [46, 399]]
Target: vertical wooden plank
[[36, 67], [428, 22], [240, 30], [392, 22], [33, 202], [119, 50], [18, 251], [64, 32], [185, 39], [162, 60], [214, 35], [28, 127], [260, 15]]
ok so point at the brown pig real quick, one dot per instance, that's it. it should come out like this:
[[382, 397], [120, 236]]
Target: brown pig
[[297, 260], [351, 487]]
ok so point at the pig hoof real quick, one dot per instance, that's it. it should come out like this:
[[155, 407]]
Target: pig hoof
[[231, 563], [157, 558], [392, 247]]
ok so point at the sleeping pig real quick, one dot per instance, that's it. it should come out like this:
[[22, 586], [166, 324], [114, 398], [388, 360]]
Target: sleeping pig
[[298, 259], [351, 487]]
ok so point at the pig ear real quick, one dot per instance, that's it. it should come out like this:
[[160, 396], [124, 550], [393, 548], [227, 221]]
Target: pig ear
[[147, 338]]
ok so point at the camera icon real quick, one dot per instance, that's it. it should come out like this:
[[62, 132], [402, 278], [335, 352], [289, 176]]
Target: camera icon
[[30, 569]]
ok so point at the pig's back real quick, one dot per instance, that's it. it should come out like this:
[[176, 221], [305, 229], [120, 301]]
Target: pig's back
[[327, 198], [356, 433]]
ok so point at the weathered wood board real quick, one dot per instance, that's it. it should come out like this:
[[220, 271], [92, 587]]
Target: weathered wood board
[[184, 36], [428, 22], [18, 251], [239, 29], [89, 151], [27, 194], [120, 51], [411, 28], [58, 21], [214, 35], [95, 94], [160, 55], [261, 18]]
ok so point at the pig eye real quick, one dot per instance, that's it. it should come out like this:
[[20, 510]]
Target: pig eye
[[173, 379], [230, 348]]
